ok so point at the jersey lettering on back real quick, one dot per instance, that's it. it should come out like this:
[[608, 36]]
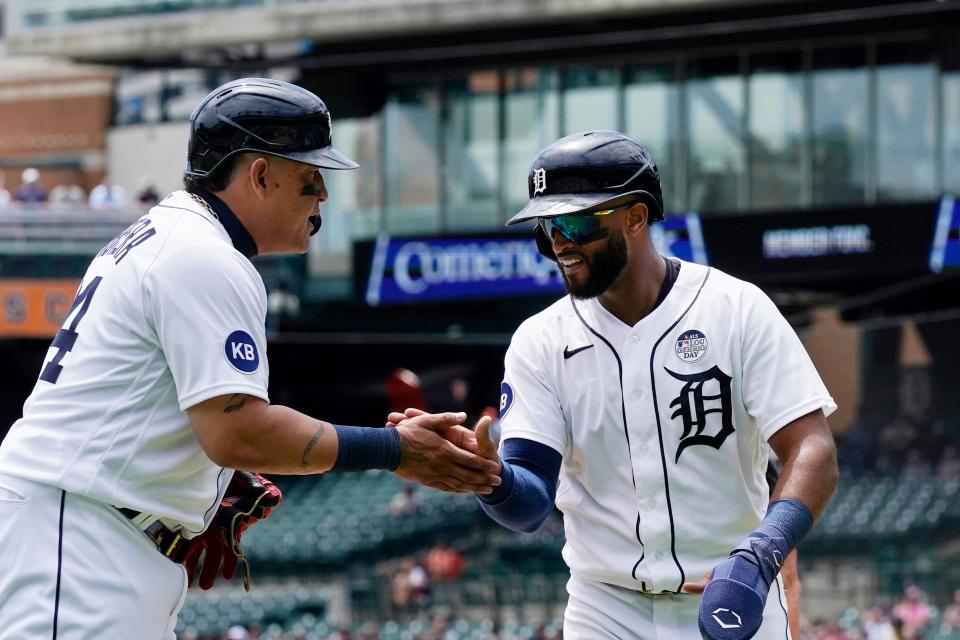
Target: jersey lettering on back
[[136, 234]]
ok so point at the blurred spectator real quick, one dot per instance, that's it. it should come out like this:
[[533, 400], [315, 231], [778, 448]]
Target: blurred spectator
[[236, 632], [459, 392], [30, 191], [877, 625], [404, 503], [912, 612], [444, 563], [832, 632], [420, 585], [410, 587], [951, 616], [68, 193], [4, 194], [147, 194], [405, 391], [401, 595], [108, 195]]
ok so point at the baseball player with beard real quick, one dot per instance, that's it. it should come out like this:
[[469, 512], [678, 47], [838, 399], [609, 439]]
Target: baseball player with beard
[[121, 472], [642, 405]]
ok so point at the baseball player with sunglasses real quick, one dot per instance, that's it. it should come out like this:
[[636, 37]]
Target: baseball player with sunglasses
[[642, 405]]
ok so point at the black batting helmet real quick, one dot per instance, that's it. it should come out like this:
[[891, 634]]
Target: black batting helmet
[[588, 172], [265, 116]]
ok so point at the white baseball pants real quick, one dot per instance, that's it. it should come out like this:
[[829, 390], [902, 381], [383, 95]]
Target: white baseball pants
[[597, 611], [76, 569]]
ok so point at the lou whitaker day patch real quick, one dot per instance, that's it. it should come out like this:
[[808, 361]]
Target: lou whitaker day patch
[[241, 352]]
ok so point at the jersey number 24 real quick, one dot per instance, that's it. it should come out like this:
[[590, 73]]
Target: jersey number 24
[[67, 335]]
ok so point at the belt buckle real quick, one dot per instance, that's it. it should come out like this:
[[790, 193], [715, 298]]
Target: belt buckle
[[158, 533], [161, 536]]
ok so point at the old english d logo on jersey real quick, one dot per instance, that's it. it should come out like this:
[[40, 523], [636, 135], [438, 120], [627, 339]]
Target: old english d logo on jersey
[[241, 352], [693, 408]]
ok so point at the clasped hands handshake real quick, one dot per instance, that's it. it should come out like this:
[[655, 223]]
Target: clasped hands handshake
[[439, 452]]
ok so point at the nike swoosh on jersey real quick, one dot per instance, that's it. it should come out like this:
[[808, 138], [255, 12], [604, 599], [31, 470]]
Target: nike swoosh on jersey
[[567, 353]]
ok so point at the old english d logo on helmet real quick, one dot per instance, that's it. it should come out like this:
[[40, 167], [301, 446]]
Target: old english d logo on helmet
[[265, 116], [539, 181]]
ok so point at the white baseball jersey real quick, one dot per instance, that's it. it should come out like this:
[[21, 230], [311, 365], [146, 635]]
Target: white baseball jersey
[[662, 426], [169, 314]]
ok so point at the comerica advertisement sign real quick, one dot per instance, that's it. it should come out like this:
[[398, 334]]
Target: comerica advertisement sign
[[430, 269], [406, 270]]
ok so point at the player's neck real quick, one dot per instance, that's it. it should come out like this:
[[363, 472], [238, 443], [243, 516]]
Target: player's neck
[[634, 293]]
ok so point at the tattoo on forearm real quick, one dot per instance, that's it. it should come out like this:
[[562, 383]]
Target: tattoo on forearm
[[310, 445], [235, 403]]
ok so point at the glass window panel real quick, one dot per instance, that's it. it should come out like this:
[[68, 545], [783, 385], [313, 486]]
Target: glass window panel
[[716, 158], [185, 89], [352, 210], [412, 200], [470, 162], [589, 99], [652, 119], [839, 123], [137, 98], [531, 110], [775, 88], [906, 146], [951, 132]]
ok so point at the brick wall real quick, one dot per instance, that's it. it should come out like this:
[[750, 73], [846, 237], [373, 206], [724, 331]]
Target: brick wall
[[56, 123]]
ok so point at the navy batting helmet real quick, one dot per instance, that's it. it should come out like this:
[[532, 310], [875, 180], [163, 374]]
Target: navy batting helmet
[[589, 172], [265, 116]]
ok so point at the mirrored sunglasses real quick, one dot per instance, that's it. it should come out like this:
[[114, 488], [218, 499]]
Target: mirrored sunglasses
[[580, 228]]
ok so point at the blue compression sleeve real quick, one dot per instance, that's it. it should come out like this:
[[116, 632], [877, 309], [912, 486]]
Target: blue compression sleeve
[[525, 498]]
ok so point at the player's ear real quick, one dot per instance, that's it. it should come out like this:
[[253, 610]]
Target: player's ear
[[636, 218], [257, 175]]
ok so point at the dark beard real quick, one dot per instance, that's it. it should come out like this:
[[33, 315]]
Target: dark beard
[[605, 267]]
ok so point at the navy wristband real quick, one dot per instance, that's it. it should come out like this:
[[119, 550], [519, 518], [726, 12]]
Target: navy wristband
[[789, 517], [362, 448]]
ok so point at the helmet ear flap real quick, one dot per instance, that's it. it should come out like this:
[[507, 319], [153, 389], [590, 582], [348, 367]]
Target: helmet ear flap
[[544, 244], [654, 206]]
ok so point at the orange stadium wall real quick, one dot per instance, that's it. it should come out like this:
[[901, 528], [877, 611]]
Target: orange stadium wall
[[34, 308]]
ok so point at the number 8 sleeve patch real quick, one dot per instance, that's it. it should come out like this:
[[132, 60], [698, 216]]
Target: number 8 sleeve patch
[[506, 398], [241, 352]]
